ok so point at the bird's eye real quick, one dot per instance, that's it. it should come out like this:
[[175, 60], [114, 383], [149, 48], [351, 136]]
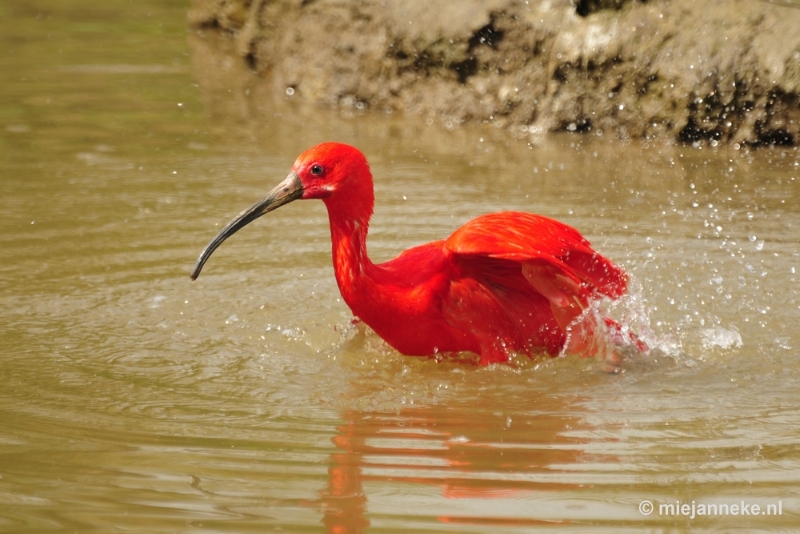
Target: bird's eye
[[316, 169]]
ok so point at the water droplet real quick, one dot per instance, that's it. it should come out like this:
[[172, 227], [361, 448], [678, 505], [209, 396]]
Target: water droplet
[[722, 338]]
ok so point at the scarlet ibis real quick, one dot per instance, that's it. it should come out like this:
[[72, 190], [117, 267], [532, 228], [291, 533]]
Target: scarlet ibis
[[503, 283]]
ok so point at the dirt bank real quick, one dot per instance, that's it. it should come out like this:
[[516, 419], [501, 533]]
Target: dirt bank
[[682, 70]]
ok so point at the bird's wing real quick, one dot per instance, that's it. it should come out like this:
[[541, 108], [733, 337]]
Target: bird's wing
[[556, 260]]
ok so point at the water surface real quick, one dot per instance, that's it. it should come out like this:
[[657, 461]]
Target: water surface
[[132, 398]]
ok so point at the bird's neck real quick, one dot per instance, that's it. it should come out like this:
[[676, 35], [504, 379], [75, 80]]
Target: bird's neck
[[351, 264]]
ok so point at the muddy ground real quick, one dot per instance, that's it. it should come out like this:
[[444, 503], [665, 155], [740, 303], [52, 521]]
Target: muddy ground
[[676, 70]]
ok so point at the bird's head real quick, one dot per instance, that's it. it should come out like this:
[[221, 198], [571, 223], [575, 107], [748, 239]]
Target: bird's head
[[331, 168], [334, 172]]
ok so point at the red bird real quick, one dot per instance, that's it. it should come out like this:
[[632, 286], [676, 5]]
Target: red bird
[[503, 283]]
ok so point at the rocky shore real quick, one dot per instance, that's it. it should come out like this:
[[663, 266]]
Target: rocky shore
[[680, 71]]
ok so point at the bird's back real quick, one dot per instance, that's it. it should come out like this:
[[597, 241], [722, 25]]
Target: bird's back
[[528, 238]]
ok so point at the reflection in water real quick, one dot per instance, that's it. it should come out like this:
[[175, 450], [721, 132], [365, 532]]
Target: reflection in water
[[457, 454]]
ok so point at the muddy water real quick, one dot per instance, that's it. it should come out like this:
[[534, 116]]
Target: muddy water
[[132, 398]]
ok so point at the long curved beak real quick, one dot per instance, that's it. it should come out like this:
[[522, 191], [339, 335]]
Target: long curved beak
[[288, 190]]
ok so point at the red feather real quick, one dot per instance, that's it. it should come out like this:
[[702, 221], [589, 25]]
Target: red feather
[[502, 283]]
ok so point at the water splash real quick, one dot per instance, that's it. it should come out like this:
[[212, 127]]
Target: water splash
[[621, 331], [719, 337]]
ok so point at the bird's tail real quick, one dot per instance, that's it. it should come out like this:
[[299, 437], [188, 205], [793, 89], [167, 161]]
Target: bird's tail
[[572, 290]]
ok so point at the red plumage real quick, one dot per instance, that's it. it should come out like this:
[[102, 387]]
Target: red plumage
[[504, 282]]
